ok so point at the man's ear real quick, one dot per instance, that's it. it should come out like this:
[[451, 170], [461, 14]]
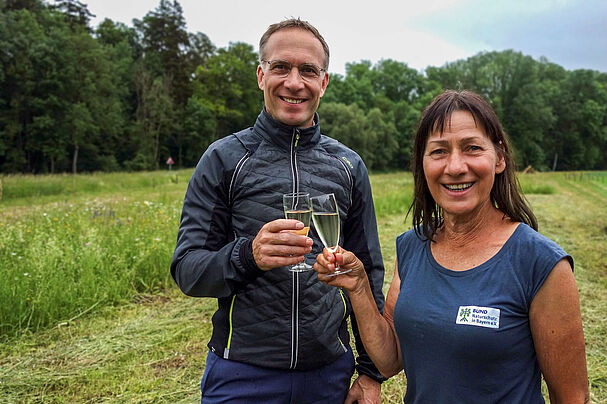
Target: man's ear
[[260, 75], [325, 82]]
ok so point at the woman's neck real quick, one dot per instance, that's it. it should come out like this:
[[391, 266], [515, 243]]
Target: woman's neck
[[463, 230]]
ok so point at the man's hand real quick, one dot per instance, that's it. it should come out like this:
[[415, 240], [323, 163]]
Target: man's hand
[[364, 390], [277, 245]]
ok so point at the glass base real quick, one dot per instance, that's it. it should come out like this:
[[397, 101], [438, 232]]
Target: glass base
[[301, 267], [338, 271]]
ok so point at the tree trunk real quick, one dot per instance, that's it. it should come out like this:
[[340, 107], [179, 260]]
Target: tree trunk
[[556, 159], [75, 159], [179, 156]]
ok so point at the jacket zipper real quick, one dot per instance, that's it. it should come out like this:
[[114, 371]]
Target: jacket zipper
[[343, 299], [295, 284]]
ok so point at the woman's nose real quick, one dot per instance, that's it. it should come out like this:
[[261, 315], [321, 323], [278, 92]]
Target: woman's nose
[[456, 164]]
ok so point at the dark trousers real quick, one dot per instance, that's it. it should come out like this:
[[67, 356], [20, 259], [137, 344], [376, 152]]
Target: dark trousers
[[227, 381]]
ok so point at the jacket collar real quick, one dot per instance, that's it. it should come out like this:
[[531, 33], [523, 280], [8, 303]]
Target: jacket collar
[[282, 135]]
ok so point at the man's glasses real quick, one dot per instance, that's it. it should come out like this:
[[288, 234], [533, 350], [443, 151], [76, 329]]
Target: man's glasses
[[282, 68]]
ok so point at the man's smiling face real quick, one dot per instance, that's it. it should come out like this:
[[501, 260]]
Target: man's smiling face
[[292, 100]]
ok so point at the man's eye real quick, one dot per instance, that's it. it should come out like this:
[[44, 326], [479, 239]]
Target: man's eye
[[309, 70], [280, 67]]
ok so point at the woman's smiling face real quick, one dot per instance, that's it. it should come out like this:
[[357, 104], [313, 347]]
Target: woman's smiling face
[[460, 165]]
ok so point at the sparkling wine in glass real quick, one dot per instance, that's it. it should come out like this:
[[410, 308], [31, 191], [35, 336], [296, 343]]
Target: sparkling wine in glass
[[297, 206], [325, 215]]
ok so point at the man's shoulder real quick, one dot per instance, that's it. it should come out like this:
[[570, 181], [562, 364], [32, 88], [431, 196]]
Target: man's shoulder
[[243, 139], [228, 150], [341, 151]]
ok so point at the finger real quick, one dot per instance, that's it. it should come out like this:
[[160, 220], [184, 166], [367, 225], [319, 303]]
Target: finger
[[278, 261], [339, 258], [329, 256], [278, 225], [322, 263], [282, 250], [351, 398], [330, 280], [290, 238], [285, 238]]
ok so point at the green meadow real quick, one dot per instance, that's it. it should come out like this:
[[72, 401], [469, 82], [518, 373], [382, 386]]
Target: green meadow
[[89, 312]]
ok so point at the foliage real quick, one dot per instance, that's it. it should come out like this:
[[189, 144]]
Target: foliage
[[76, 98], [66, 256]]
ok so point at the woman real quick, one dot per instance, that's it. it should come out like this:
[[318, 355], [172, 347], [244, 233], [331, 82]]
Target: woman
[[480, 304]]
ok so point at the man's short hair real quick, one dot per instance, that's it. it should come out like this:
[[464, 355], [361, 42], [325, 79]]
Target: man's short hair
[[292, 23]]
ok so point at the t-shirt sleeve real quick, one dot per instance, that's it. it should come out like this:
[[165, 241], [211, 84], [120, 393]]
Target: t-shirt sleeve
[[405, 243], [544, 254]]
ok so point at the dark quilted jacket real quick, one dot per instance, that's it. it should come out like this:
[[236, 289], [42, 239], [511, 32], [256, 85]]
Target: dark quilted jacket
[[276, 318]]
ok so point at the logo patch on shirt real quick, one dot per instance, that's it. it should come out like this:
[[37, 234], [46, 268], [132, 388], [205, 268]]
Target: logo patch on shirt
[[478, 316]]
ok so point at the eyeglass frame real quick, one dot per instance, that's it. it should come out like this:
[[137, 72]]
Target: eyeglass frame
[[290, 66]]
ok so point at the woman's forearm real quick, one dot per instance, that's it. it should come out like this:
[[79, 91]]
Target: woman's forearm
[[376, 331]]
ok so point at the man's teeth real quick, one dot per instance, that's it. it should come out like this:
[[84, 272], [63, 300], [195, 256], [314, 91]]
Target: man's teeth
[[292, 101], [458, 187]]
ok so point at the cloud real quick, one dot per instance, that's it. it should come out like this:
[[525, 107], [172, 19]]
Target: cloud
[[572, 33]]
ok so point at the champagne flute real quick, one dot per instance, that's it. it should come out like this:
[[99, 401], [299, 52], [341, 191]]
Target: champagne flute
[[297, 206], [325, 215]]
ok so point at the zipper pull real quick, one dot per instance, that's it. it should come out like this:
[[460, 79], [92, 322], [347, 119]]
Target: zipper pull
[[296, 137]]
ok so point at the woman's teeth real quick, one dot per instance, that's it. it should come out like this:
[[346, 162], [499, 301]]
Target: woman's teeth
[[458, 187]]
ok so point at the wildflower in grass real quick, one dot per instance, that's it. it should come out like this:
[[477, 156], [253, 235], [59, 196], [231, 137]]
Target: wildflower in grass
[[157, 239], [86, 244], [13, 253]]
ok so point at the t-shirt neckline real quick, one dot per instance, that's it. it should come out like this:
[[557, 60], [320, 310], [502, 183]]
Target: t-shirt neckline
[[479, 268]]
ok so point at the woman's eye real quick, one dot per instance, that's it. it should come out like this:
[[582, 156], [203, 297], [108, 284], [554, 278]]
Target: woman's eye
[[437, 152]]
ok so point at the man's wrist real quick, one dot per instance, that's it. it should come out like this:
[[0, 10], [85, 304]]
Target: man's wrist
[[247, 260]]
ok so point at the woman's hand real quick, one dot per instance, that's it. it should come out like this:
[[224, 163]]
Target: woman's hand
[[352, 281]]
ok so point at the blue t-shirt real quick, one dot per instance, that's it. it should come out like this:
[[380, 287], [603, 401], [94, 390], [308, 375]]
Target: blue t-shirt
[[465, 335]]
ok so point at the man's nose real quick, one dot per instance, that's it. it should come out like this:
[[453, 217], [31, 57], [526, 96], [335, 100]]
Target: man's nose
[[293, 80]]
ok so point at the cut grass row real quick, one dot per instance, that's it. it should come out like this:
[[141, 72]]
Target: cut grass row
[[123, 333]]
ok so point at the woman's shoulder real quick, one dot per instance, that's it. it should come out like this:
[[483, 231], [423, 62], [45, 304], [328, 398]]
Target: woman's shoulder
[[528, 245], [409, 236], [524, 234], [408, 241]]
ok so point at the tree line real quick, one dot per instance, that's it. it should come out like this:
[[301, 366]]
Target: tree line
[[116, 97]]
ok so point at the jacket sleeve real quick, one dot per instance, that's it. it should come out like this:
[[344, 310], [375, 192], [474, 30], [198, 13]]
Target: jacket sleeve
[[209, 261], [361, 237]]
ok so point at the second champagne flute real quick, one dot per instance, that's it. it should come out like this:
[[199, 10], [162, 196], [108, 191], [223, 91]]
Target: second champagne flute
[[297, 206], [325, 215]]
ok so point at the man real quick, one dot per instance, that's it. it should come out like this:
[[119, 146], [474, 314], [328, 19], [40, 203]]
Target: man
[[278, 336]]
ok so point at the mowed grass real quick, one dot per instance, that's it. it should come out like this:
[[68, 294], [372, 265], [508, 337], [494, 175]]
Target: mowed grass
[[90, 314]]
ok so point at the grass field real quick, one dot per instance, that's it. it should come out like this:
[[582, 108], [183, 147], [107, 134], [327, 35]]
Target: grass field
[[89, 313]]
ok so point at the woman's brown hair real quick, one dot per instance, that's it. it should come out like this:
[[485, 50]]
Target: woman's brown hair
[[506, 193]]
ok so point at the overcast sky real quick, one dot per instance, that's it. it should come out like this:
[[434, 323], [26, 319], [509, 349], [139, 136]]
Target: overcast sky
[[571, 33]]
